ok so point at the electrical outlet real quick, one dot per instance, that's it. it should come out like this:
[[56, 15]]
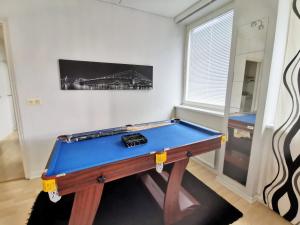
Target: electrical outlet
[[34, 101]]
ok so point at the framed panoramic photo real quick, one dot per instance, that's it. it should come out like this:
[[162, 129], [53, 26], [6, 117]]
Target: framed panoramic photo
[[83, 75]]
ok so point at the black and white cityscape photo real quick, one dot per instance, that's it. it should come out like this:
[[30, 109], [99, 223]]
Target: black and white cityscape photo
[[82, 75]]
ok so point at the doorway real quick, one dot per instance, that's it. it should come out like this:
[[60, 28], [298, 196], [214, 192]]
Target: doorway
[[11, 163], [250, 87]]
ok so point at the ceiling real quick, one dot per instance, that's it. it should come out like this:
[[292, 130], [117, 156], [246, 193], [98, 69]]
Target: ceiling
[[166, 8]]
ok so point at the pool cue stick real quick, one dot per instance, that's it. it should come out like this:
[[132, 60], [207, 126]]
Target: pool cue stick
[[110, 132], [139, 127]]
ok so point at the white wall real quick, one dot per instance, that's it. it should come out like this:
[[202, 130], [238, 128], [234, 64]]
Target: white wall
[[43, 31], [205, 119]]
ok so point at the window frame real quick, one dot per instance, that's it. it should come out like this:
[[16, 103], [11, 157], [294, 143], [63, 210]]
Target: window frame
[[189, 29]]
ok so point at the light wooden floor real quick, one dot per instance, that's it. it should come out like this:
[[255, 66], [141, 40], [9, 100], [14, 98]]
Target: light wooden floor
[[254, 214], [11, 166], [17, 197]]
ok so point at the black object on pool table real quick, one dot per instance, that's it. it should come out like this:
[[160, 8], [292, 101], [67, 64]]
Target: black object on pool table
[[91, 135], [131, 140]]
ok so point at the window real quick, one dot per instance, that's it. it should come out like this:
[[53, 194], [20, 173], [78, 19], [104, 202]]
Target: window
[[208, 59]]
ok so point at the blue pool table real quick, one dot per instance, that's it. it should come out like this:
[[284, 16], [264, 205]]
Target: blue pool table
[[245, 121], [84, 166], [249, 118]]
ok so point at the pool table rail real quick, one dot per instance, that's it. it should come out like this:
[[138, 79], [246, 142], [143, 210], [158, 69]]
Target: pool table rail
[[55, 154], [241, 125], [75, 181]]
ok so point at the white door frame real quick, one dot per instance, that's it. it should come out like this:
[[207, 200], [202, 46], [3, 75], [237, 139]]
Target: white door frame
[[12, 79]]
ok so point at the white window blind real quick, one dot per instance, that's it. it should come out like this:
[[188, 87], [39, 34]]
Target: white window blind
[[208, 61]]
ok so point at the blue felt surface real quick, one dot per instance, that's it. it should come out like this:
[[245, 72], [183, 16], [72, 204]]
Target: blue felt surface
[[246, 118], [71, 157]]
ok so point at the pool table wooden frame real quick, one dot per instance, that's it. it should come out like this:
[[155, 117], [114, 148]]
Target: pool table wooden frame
[[236, 124], [88, 184]]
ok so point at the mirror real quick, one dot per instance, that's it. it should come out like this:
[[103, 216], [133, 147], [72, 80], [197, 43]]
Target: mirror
[[249, 59]]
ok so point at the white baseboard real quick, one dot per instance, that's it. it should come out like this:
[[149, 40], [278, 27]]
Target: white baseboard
[[260, 199], [236, 188], [207, 158], [203, 163]]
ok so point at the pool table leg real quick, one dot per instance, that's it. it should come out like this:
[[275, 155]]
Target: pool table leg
[[172, 210], [85, 205]]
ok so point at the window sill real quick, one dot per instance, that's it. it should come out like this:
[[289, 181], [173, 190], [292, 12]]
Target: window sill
[[201, 110]]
